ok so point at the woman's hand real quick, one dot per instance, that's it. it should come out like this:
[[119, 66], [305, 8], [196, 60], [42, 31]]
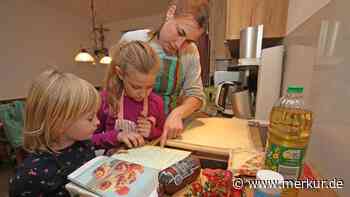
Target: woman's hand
[[173, 127], [144, 126], [131, 139]]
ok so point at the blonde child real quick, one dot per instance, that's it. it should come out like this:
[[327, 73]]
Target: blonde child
[[130, 112], [59, 121]]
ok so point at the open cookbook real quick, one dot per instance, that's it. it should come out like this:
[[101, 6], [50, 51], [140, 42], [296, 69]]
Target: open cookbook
[[134, 173]]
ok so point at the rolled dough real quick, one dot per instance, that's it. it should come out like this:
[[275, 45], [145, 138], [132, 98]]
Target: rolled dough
[[223, 134]]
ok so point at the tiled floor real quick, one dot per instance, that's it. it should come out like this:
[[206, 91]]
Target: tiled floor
[[5, 173]]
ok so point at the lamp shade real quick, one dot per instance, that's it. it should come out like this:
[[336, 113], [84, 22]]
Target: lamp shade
[[83, 56], [106, 60]]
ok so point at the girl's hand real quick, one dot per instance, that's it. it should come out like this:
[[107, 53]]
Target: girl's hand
[[144, 126], [173, 127], [131, 139]]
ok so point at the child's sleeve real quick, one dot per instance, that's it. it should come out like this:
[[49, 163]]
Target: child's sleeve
[[38, 177], [159, 115], [105, 135], [25, 185], [105, 140]]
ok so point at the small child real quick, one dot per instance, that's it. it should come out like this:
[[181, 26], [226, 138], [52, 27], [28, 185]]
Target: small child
[[59, 121], [130, 112]]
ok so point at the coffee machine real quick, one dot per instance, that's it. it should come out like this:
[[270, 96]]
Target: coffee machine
[[258, 86], [237, 97]]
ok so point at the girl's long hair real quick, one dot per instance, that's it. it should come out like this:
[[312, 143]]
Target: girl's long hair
[[135, 54]]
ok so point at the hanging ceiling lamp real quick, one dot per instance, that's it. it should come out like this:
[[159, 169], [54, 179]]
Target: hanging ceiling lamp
[[99, 52], [106, 60], [84, 56]]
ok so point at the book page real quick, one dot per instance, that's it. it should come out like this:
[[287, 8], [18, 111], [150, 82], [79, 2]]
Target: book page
[[95, 161], [108, 176], [75, 190], [153, 156]]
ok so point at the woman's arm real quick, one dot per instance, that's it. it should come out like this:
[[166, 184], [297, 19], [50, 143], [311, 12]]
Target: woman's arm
[[192, 90], [194, 97], [174, 123], [187, 107]]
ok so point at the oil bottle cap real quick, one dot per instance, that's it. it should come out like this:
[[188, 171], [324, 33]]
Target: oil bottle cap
[[271, 182], [295, 89]]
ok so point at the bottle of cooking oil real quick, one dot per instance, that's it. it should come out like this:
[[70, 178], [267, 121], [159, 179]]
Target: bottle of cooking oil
[[288, 136]]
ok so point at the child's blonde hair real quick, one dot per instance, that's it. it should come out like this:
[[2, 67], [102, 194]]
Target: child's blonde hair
[[135, 54], [55, 101]]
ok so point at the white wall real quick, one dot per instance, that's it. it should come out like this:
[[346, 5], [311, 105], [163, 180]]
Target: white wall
[[319, 60], [149, 22], [33, 37], [300, 10]]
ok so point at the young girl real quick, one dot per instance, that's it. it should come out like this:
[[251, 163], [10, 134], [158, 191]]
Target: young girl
[[179, 80], [130, 112], [60, 118]]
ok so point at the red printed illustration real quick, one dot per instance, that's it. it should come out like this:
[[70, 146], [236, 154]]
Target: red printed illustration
[[116, 176], [122, 190], [135, 167], [121, 166], [105, 185], [102, 171]]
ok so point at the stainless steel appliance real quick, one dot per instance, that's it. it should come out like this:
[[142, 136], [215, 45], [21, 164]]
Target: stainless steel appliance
[[261, 66], [234, 98], [223, 99], [242, 104], [250, 45]]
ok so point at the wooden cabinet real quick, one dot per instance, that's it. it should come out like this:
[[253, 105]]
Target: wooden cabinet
[[243, 13], [217, 25], [228, 17]]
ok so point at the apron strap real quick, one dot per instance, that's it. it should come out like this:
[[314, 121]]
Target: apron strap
[[145, 107], [121, 107]]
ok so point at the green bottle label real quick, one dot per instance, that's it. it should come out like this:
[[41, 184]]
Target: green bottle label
[[285, 160]]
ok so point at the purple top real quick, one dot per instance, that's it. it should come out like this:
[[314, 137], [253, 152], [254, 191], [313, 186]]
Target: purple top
[[106, 134]]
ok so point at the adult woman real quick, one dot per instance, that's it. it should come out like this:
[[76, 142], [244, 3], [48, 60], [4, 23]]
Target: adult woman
[[178, 82]]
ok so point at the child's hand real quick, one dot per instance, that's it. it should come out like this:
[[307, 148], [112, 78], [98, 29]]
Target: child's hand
[[131, 139], [144, 126]]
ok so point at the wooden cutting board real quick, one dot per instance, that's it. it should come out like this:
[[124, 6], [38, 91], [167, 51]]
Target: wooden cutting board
[[214, 135]]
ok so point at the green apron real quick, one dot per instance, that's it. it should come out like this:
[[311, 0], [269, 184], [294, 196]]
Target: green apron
[[169, 81]]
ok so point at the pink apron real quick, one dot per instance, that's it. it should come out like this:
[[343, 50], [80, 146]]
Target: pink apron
[[126, 125]]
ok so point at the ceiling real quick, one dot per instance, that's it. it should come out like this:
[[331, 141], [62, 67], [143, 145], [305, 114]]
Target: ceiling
[[109, 10]]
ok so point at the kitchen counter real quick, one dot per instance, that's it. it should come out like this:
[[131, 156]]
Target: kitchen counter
[[258, 139]]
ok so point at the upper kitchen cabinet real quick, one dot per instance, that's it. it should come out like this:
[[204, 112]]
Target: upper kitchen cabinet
[[243, 13], [217, 26]]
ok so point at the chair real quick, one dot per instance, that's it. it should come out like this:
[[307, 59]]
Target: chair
[[12, 122]]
